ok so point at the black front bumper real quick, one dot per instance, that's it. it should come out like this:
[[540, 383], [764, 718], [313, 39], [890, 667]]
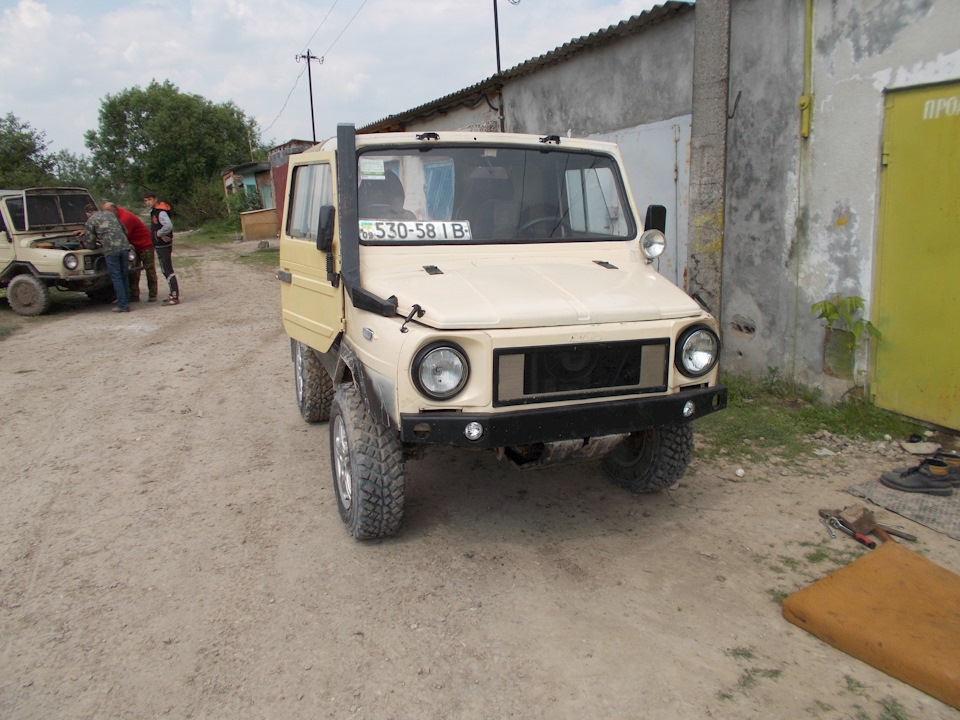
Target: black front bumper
[[561, 423]]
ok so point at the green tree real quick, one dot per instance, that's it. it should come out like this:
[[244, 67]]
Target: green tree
[[24, 161], [162, 139]]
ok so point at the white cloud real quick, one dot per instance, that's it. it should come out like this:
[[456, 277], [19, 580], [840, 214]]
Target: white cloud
[[60, 59]]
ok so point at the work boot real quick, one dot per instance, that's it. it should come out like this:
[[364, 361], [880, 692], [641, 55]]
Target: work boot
[[953, 466], [929, 477]]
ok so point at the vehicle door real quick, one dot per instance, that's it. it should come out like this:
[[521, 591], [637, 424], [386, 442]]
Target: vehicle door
[[311, 295], [7, 252]]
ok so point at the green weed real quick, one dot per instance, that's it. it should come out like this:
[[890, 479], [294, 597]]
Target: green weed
[[775, 413], [778, 596], [6, 331], [267, 256], [739, 653], [892, 710]]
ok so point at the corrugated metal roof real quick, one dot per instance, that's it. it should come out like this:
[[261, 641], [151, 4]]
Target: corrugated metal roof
[[474, 95]]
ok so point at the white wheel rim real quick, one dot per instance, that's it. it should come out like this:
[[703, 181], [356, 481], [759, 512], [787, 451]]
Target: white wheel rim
[[341, 463], [298, 365]]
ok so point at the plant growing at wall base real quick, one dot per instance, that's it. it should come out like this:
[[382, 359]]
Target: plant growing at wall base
[[842, 313]]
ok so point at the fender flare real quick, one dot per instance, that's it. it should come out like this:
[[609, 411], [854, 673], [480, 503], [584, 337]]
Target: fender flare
[[340, 361]]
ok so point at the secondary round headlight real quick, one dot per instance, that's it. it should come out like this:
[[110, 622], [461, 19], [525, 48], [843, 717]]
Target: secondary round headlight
[[652, 243], [70, 261], [698, 350], [440, 370]]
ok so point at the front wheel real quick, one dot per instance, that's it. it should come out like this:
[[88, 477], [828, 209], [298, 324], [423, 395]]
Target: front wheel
[[28, 296], [367, 463], [651, 460]]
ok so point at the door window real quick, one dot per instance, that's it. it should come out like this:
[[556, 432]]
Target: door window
[[312, 187]]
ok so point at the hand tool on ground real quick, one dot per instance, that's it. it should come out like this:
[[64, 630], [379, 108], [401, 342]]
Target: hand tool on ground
[[827, 526], [835, 521]]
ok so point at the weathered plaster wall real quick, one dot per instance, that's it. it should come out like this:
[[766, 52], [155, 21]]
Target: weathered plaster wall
[[861, 48], [636, 80], [758, 288], [480, 117]]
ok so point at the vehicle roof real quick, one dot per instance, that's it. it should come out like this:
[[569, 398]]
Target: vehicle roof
[[43, 190], [445, 137]]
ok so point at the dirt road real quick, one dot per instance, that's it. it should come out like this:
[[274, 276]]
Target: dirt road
[[170, 547]]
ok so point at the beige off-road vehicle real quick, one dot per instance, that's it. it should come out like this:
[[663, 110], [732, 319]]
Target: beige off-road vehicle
[[39, 248], [486, 291]]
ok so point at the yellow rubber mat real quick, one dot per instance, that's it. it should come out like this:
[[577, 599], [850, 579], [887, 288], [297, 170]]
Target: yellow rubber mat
[[892, 609]]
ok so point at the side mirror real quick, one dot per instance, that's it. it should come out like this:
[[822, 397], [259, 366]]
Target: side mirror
[[656, 218], [325, 232]]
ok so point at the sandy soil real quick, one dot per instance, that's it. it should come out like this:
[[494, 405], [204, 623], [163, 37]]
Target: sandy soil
[[170, 546]]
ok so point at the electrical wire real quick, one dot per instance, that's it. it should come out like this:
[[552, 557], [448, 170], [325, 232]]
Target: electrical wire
[[296, 82], [322, 22], [289, 94], [345, 27]]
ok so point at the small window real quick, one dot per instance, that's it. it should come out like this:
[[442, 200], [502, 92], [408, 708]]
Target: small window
[[312, 187], [15, 208]]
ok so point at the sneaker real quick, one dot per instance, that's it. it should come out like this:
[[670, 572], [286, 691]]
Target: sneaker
[[929, 477], [121, 309], [152, 298], [172, 301]]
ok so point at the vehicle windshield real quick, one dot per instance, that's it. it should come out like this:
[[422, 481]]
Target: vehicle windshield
[[47, 210], [483, 194]]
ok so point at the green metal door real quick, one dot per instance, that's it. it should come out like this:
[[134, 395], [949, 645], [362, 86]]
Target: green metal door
[[916, 365]]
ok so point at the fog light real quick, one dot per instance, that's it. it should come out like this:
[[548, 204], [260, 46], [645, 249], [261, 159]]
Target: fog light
[[473, 431], [688, 408]]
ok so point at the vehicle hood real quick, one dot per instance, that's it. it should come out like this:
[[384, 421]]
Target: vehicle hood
[[464, 295]]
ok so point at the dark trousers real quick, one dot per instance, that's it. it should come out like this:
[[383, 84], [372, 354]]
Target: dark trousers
[[164, 255], [149, 265], [117, 264]]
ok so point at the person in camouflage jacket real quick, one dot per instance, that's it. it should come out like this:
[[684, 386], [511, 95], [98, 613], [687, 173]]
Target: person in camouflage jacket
[[104, 228]]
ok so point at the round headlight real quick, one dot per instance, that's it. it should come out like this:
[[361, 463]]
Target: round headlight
[[70, 261], [652, 243], [698, 350], [440, 370]]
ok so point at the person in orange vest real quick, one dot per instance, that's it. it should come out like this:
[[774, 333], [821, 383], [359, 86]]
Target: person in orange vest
[[161, 233], [139, 237]]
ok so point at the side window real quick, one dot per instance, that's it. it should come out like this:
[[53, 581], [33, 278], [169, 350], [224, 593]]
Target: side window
[[312, 187], [15, 208]]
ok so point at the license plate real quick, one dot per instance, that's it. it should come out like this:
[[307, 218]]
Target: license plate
[[415, 230]]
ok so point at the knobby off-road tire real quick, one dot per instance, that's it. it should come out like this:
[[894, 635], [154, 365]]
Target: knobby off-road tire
[[367, 463], [651, 460], [28, 296], [313, 384]]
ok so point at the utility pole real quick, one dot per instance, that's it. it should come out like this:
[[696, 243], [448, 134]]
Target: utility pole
[[308, 57], [496, 29]]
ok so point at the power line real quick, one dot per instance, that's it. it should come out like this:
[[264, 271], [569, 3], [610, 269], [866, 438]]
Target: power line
[[345, 28], [320, 25], [267, 129]]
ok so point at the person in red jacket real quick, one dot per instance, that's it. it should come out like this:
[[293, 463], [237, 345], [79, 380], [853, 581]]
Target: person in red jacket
[[139, 237]]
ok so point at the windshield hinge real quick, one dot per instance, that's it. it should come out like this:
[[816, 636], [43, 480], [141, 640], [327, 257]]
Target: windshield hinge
[[428, 136], [550, 139]]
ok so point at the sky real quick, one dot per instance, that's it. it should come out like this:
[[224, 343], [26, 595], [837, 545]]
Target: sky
[[60, 58]]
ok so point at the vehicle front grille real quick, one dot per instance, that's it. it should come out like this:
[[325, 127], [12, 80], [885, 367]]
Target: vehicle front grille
[[562, 372]]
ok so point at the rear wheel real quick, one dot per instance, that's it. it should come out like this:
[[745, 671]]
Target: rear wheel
[[28, 296], [367, 463], [651, 460], [313, 384]]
